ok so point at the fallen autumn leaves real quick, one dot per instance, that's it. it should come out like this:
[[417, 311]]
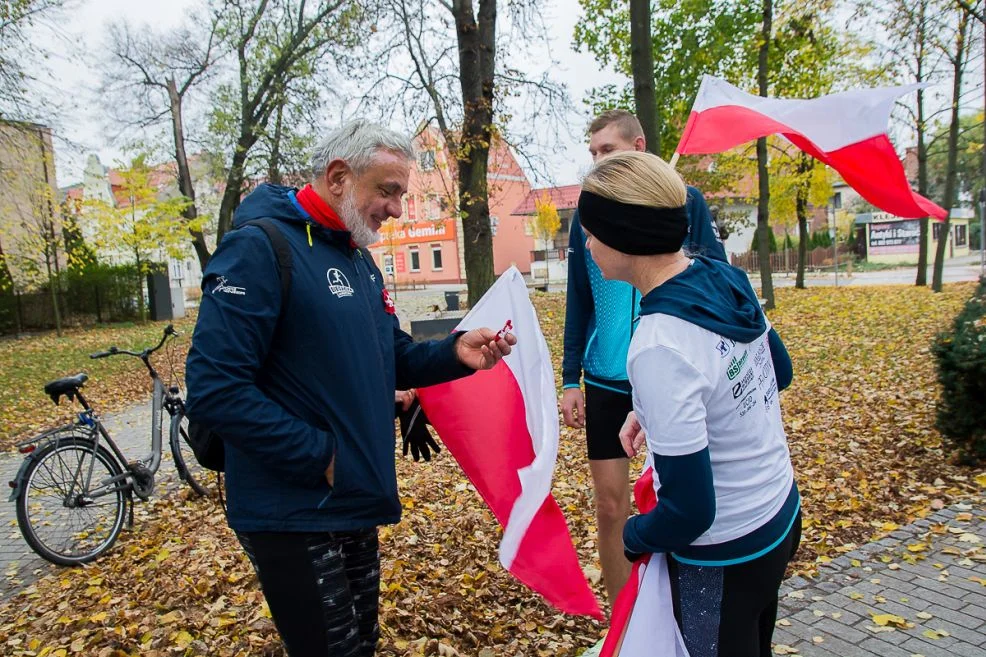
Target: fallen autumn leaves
[[860, 422]]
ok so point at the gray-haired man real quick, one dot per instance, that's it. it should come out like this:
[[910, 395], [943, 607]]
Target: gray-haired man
[[300, 385]]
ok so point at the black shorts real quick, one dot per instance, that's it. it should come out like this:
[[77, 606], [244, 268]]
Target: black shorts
[[605, 413]]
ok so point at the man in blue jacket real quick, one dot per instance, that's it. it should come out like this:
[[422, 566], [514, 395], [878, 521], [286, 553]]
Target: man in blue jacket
[[301, 386], [599, 321]]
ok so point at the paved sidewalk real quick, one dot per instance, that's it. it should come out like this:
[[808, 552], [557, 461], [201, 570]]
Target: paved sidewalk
[[920, 591], [131, 429]]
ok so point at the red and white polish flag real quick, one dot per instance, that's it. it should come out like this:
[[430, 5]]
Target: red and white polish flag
[[846, 131], [643, 621], [501, 425]]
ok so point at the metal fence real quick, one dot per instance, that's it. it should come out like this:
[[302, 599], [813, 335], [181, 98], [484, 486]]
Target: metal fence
[[786, 260], [100, 294]]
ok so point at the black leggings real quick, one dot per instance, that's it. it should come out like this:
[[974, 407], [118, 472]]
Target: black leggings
[[322, 589], [729, 611]]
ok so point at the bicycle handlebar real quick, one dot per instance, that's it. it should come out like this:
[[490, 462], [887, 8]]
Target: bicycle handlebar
[[169, 331]]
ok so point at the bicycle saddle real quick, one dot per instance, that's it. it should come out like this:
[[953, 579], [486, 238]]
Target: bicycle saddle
[[67, 386]]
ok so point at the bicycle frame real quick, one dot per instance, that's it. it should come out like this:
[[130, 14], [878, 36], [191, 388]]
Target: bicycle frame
[[90, 425], [68, 469]]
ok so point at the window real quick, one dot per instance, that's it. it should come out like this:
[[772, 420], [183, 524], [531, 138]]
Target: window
[[837, 201], [935, 231], [432, 205], [426, 160], [436, 257], [960, 235], [415, 259], [388, 264]]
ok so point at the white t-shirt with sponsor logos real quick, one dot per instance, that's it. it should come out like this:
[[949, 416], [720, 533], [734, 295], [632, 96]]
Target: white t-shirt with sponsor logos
[[693, 389]]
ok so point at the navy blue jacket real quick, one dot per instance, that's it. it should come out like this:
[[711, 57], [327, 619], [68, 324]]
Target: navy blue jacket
[[289, 389], [599, 314]]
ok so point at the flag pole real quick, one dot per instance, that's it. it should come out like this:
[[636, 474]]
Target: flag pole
[[674, 159]]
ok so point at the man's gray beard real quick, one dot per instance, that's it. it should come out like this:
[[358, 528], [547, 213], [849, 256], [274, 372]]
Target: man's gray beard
[[362, 234]]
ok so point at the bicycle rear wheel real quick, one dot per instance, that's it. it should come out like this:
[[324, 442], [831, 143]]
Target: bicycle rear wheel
[[188, 467], [66, 509]]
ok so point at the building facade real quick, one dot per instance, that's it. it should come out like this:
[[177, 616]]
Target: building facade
[[106, 185], [893, 240], [31, 240], [549, 258], [425, 245]]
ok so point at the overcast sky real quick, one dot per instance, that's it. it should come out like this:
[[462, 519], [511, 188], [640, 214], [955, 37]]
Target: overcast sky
[[84, 130]]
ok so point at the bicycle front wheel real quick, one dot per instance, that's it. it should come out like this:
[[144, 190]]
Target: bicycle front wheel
[[188, 467], [68, 509]]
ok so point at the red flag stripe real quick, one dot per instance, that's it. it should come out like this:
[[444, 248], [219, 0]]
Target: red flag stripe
[[870, 166], [477, 419]]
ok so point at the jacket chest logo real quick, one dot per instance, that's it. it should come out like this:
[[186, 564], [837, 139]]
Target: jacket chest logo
[[338, 283]]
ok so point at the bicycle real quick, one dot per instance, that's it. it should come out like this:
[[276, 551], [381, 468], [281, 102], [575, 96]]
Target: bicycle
[[75, 487]]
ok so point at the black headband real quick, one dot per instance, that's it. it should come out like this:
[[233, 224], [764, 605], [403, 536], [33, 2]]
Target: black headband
[[633, 229]]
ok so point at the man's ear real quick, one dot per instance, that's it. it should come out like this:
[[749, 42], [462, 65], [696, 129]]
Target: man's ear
[[336, 175], [640, 144]]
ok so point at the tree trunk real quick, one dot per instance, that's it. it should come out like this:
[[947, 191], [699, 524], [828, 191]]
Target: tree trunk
[[51, 243], [477, 51], [54, 297], [6, 277], [234, 185], [274, 164], [185, 185], [642, 64], [141, 308], [763, 214], [805, 165], [922, 39], [958, 63]]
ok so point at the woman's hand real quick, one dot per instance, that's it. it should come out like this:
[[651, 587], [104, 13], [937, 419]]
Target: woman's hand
[[632, 435]]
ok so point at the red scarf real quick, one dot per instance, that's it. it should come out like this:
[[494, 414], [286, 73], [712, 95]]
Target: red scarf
[[318, 209], [324, 215]]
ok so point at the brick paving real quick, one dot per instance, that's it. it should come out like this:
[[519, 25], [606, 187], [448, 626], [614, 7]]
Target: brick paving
[[919, 591], [131, 430]]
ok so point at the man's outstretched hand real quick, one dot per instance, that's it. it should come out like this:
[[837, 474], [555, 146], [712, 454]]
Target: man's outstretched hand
[[481, 349]]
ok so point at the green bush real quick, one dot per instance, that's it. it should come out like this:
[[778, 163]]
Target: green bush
[[821, 238], [772, 242], [961, 361]]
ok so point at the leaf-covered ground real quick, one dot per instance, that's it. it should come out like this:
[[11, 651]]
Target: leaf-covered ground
[[860, 421], [28, 363]]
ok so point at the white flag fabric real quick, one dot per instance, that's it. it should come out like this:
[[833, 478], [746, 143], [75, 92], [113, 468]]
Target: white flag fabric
[[501, 425]]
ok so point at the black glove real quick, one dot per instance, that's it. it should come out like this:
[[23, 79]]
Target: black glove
[[414, 431]]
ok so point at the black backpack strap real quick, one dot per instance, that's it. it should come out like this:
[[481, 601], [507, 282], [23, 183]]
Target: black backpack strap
[[282, 250]]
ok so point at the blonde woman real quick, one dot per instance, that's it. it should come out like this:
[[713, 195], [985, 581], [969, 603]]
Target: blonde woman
[[705, 367]]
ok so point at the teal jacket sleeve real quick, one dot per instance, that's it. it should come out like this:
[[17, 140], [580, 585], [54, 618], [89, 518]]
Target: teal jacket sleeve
[[579, 307]]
